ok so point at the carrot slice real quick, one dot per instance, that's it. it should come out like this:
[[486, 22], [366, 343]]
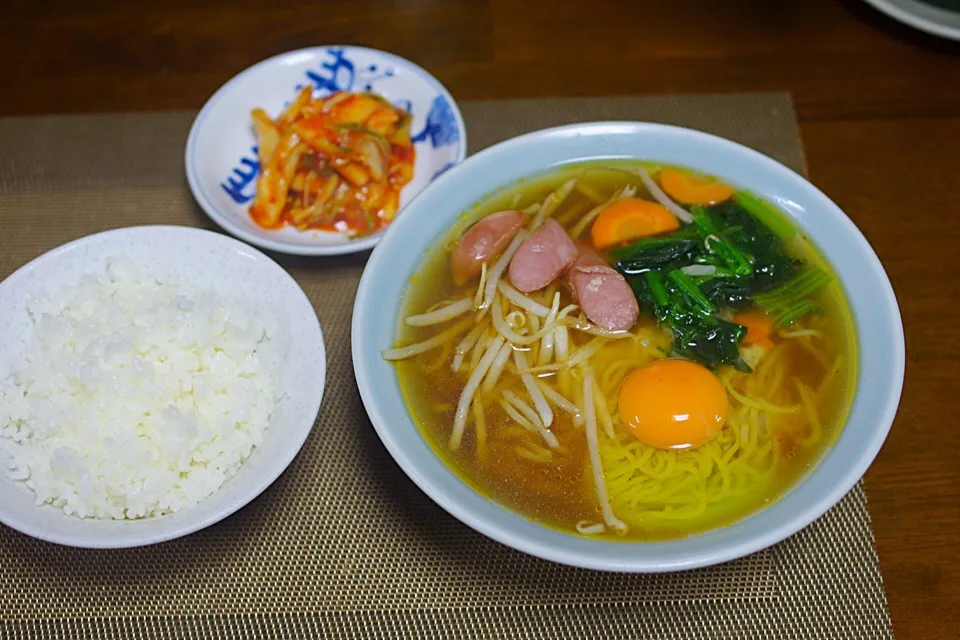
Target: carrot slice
[[628, 219], [759, 328], [690, 189]]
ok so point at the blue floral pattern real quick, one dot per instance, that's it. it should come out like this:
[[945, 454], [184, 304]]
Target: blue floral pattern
[[441, 125], [336, 74], [241, 177], [340, 74]]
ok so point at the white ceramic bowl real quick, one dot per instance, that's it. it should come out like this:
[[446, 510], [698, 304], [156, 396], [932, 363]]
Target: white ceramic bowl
[[879, 335], [210, 261], [222, 165], [925, 16]]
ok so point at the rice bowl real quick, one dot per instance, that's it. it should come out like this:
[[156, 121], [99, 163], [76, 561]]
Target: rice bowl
[[139, 395], [202, 418]]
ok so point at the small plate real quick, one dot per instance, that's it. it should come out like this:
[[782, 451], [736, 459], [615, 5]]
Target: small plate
[[934, 16], [221, 160]]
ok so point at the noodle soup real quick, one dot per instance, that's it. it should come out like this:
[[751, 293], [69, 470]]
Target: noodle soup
[[628, 351]]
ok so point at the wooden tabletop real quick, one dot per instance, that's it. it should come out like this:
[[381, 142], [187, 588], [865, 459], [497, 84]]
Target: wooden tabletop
[[879, 107]]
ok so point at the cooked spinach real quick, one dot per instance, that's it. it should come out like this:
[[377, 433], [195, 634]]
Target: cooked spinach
[[727, 292], [678, 248], [791, 300], [741, 260], [698, 334], [715, 244], [764, 214], [771, 262], [709, 340]]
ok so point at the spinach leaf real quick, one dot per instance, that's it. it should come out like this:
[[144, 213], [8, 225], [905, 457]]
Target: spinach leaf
[[764, 214], [708, 339], [645, 298], [727, 292], [678, 248], [772, 264], [713, 243], [791, 300], [679, 305]]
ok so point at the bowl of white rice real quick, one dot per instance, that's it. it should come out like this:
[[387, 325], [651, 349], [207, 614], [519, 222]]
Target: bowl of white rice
[[153, 380]]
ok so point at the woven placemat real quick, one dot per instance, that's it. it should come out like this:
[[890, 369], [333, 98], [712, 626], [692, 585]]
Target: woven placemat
[[343, 544]]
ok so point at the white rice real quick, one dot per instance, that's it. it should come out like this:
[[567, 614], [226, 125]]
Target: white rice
[[138, 396]]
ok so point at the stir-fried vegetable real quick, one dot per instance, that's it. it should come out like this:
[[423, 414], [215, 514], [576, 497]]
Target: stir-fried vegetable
[[335, 164]]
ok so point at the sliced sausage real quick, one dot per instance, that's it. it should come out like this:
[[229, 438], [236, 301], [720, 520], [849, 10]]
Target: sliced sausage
[[483, 242], [542, 258], [602, 293]]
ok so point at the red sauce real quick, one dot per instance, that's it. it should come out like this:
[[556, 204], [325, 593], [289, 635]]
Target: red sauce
[[338, 164]]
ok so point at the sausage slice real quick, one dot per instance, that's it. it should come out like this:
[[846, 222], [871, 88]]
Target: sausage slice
[[602, 293], [542, 258], [483, 242]]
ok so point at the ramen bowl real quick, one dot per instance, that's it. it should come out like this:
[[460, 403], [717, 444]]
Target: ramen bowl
[[877, 380]]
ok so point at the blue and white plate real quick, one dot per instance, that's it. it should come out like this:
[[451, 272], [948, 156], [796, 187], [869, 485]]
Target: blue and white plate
[[221, 159]]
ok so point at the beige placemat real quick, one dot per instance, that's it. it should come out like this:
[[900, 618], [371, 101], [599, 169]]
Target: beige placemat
[[343, 544]]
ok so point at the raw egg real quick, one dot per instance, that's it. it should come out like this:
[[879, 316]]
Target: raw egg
[[673, 404]]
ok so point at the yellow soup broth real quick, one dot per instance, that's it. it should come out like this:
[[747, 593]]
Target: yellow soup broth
[[782, 415]]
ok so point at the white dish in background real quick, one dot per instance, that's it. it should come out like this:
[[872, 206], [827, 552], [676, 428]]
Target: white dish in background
[[923, 16], [880, 343], [209, 261], [222, 166]]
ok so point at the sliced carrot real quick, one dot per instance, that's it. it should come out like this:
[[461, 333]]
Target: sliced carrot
[[628, 219], [690, 189], [759, 328]]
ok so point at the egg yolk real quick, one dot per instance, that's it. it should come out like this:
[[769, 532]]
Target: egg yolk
[[673, 404]]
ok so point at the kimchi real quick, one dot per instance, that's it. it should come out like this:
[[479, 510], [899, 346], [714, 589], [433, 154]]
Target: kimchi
[[333, 164]]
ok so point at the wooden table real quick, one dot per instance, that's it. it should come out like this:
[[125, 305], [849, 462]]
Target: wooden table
[[880, 116]]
